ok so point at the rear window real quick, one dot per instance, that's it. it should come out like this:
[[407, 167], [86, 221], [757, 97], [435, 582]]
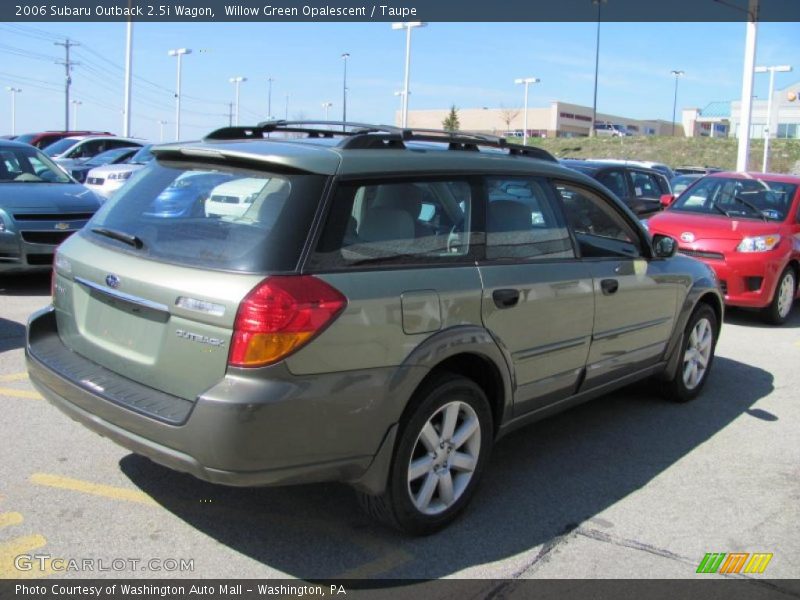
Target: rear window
[[211, 215]]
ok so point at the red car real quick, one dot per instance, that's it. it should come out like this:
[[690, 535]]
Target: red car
[[746, 226]]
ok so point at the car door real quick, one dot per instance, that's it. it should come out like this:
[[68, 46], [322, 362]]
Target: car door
[[538, 300], [635, 298]]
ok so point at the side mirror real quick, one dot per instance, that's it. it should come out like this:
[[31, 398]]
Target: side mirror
[[664, 246], [667, 200]]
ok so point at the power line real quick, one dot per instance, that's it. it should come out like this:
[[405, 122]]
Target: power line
[[68, 77]]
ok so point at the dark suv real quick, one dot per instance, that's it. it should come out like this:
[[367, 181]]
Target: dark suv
[[378, 306]]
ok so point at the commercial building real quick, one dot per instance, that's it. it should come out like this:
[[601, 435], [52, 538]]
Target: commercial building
[[560, 119], [721, 119]]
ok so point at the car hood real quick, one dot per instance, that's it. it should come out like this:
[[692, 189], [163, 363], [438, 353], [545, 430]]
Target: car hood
[[47, 197], [106, 169], [708, 227]]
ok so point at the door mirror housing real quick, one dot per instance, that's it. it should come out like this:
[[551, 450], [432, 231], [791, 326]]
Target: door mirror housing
[[667, 200], [664, 246]]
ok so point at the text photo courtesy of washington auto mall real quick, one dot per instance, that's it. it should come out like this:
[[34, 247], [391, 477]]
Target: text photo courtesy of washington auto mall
[[407, 300]]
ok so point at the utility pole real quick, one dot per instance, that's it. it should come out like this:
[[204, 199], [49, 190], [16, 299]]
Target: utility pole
[[345, 56], [677, 74], [68, 76], [592, 130]]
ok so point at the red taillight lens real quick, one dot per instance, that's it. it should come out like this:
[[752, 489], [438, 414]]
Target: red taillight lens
[[280, 315]]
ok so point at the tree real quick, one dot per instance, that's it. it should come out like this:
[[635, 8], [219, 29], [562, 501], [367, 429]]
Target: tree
[[451, 123], [507, 115]]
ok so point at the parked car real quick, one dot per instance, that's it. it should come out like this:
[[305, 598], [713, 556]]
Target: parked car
[[746, 226], [186, 196], [681, 182], [607, 129], [105, 181], [235, 197], [647, 164], [72, 151], [43, 139], [639, 188], [377, 319], [109, 157], [40, 207], [696, 170]]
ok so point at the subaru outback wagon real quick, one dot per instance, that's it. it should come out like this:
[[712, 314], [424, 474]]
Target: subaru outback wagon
[[387, 305]]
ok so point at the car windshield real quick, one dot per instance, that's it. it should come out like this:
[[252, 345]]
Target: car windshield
[[60, 146], [28, 165], [107, 157], [733, 197], [215, 216], [681, 182], [142, 156]]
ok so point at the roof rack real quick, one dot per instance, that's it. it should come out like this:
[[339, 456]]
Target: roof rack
[[363, 136]]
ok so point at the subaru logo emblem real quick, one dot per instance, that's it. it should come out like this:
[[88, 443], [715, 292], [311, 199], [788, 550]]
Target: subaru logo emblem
[[687, 236], [61, 226], [112, 281]]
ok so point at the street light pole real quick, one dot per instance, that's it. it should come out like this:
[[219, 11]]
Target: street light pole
[[286, 112], [179, 52], [768, 128], [345, 56], [236, 81], [126, 121], [326, 106], [408, 26], [597, 3], [677, 75], [526, 81], [269, 99], [743, 151], [14, 91], [75, 105], [401, 94], [161, 130]]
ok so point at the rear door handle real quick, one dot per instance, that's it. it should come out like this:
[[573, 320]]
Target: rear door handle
[[505, 298], [609, 286]]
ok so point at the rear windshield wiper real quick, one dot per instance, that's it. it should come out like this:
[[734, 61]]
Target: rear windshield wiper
[[121, 236], [752, 207]]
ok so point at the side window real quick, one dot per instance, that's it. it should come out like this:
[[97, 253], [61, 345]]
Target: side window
[[645, 185], [410, 222], [522, 222], [600, 230], [615, 181]]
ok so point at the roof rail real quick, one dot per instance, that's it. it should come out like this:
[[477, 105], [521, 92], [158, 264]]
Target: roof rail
[[363, 136]]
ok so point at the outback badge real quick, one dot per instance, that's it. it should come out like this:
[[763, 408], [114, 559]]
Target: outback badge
[[112, 281]]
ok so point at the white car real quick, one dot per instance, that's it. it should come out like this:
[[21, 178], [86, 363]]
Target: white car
[[233, 198], [71, 151], [106, 180]]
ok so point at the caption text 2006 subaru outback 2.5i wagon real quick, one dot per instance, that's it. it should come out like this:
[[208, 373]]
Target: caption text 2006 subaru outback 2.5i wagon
[[377, 307]]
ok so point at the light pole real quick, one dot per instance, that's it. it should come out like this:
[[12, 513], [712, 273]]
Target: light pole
[[326, 106], [161, 130], [677, 74], [401, 94], [768, 128], [408, 26], [75, 105], [345, 56], [269, 98], [236, 81], [526, 81], [126, 120], [179, 52], [597, 3], [13, 91], [286, 110], [748, 65]]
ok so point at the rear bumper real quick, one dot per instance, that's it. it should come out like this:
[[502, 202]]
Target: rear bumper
[[264, 427]]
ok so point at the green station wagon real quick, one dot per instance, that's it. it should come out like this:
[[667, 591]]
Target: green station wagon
[[380, 309]]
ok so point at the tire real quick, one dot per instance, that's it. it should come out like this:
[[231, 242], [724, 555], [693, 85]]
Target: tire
[[780, 308], [699, 343], [446, 469]]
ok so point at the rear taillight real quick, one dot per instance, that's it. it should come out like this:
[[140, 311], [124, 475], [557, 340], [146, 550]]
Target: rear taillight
[[280, 315]]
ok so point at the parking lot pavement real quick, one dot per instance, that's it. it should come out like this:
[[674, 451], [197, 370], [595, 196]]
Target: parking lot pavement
[[627, 486]]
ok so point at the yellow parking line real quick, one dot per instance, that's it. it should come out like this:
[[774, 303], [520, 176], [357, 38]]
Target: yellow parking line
[[87, 487], [21, 545], [14, 376], [28, 394], [380, 565], [10, 518]]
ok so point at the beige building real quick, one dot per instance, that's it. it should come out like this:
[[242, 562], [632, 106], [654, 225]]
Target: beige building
[[558, 120]]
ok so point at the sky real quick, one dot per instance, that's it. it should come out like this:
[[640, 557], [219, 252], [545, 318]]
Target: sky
[[471, 65]]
